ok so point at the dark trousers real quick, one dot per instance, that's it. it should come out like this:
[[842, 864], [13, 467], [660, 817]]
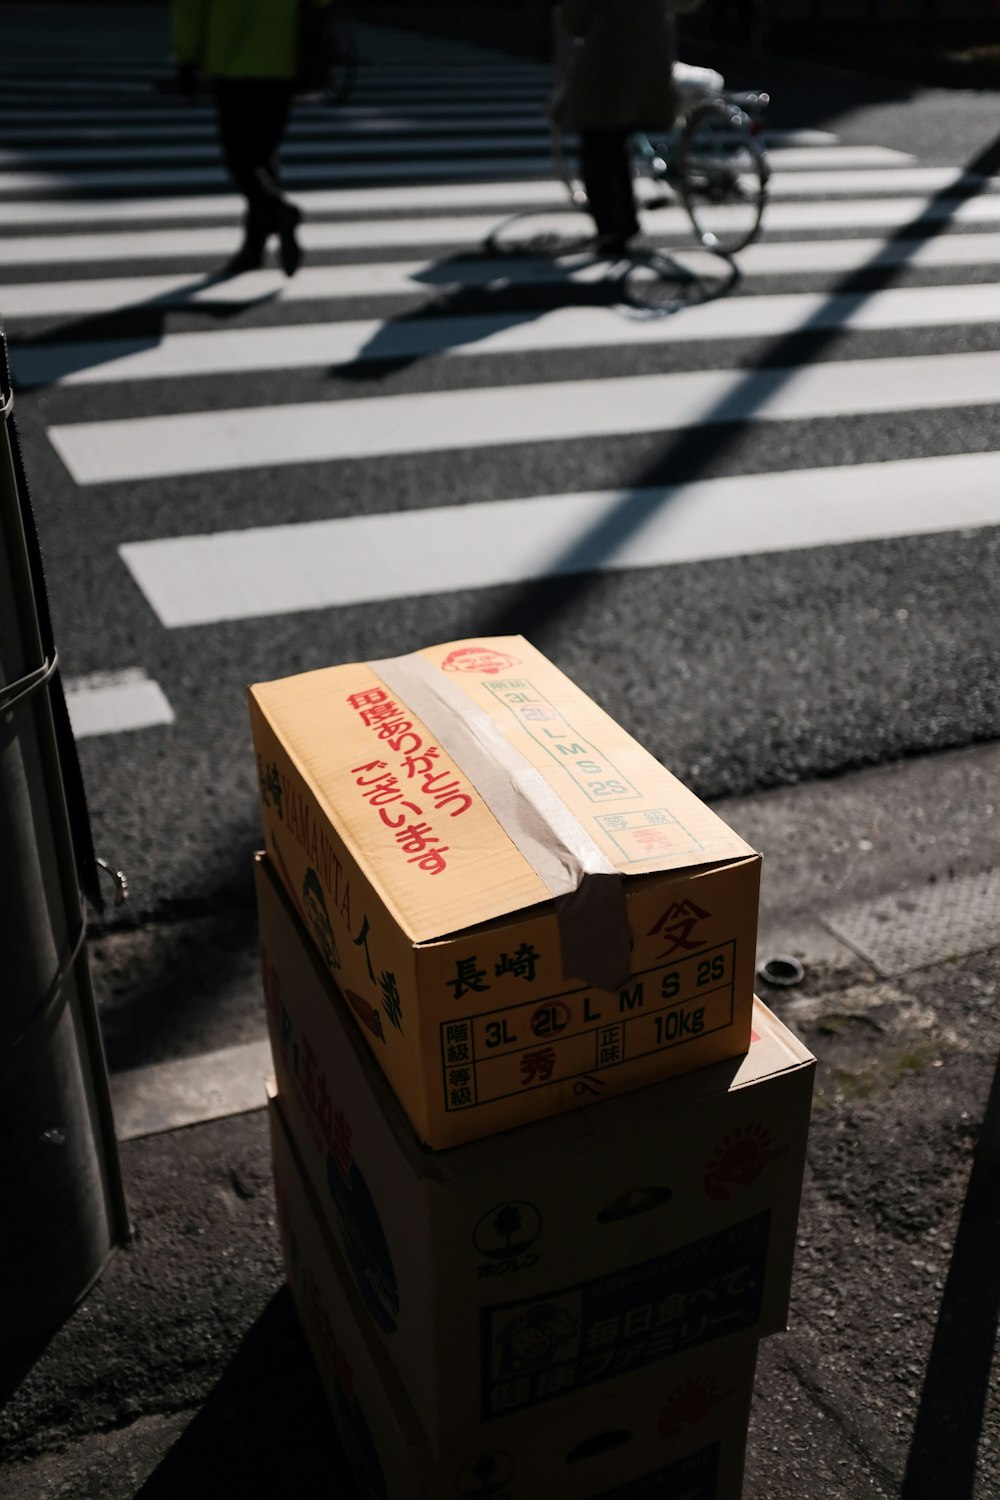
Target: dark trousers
[[251, 115], [606, 169]]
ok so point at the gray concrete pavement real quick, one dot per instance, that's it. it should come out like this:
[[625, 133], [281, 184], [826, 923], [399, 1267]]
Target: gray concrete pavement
[[184, 1372]]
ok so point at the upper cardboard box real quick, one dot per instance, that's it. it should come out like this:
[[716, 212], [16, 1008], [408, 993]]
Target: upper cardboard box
[[522, 908], [445, 851]]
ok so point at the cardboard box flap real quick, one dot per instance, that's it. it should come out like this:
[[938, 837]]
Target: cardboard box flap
[[773, 1048], [509, 787]]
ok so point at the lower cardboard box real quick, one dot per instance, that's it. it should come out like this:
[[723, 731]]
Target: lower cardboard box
[[677, 1433], [515, 1273]]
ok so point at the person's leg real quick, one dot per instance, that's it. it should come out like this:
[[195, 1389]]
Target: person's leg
[[252, 114], [606, 169], [285, 215]]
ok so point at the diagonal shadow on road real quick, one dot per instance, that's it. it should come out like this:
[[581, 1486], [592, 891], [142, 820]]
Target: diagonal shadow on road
[[527, 286], [265, 1420], [89, 341], [533, 605], [943, 1449]]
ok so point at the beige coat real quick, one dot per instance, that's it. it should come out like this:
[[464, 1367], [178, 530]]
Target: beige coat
[[615, 67]]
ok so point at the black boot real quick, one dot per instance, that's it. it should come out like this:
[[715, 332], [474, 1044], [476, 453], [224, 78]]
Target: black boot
[[288, 219], [250, 255]]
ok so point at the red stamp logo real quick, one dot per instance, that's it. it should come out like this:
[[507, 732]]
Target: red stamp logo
[[690, 1404], [740, 1159], [481, 659]]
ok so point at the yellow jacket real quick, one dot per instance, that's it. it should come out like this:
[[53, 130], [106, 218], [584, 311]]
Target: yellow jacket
[[236, 38]]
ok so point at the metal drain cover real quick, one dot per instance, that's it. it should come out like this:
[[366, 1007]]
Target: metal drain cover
[[912, 929]]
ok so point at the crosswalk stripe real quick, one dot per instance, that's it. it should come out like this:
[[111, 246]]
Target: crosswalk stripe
[[466, 62], [110, 702], [200, 119], [364, 143], [82, 91], [400, 198], [460, 79], [180, 178], [356, 235], [310, 345], [313, 283], [26, 65], [476, 193], [36, 141], [39, 299], [766, 258], [374, 279], [203, 108], [237, 575], [242, 438], [980, 205], [470, 72], [328, 149], [126, 117], [65, 88]]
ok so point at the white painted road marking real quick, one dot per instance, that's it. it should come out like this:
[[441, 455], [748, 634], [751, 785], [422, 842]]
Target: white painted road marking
[[374, 279], [363, 140], [237, 575], [534, 192], [456, 230], [317, 345], [111, 702], [199, 120], [311, 284], [99, 452]]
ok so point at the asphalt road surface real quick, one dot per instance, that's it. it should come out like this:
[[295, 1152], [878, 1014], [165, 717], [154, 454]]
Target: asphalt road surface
[[752, 510]]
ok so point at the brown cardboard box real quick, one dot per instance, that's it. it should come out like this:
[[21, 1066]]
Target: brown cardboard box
[[512, 1274], [678, 1436], [523, 908]]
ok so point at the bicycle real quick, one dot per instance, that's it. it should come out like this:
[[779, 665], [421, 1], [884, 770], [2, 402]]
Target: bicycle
[[713, 160]]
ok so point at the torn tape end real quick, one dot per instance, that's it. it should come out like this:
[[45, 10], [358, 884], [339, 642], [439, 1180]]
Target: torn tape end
[[594, 932]]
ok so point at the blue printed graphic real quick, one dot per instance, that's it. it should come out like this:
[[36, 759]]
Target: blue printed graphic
[[582, 1335], [364, 1241]]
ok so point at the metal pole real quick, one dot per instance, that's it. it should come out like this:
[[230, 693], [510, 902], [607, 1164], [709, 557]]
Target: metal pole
[[62, 1205]]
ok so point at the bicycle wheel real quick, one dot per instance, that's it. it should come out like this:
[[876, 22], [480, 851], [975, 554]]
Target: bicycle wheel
[[567, 176], [723, 174]]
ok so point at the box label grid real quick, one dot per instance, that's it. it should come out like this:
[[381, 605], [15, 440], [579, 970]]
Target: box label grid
[[580, 1033]]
